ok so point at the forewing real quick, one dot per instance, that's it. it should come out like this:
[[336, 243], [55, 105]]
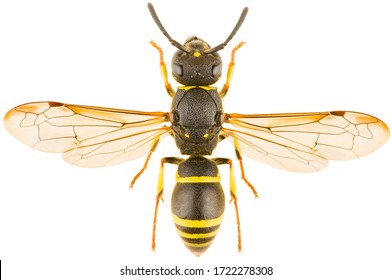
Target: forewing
[[87, 136], [305, 142]]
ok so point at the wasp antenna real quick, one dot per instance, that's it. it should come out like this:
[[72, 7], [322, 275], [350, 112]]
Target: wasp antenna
[[158, 22], [235, 29]]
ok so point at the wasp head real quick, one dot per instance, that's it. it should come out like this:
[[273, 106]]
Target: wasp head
[[195, 67], [196, 63]]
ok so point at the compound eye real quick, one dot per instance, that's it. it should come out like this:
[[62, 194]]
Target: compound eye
[[217, 70], [178, 70]]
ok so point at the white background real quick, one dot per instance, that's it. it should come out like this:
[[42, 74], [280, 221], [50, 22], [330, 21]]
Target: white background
[[63, 222]]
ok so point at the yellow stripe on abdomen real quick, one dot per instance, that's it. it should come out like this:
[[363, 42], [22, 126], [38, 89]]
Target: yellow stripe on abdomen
[[198, 245], [197, 235], [197, 223], [198, 179]]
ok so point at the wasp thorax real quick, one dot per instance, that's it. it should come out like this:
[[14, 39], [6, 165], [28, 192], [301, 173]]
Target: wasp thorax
[[194, 67]]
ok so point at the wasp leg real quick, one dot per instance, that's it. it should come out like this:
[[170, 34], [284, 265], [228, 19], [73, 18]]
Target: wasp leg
[[239, 158], [230, 71], [153, 148], [233, 195], [172, 160], [162, 64]]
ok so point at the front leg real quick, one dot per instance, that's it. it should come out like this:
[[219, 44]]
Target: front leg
[[162, 64], [230, 71]]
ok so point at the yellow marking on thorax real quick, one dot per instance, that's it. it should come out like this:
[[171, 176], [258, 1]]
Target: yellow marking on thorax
[[197, 223], [186, 88]]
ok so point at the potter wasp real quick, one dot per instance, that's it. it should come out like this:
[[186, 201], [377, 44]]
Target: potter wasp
[[90, 136]]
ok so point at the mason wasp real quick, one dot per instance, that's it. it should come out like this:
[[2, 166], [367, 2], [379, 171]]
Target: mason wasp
[[94, 136]]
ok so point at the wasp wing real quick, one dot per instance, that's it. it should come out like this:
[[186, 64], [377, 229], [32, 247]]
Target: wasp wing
[[304, 142], [87, 136]]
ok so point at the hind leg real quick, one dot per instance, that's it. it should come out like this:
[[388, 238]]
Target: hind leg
[[172, 160], [233, 195]]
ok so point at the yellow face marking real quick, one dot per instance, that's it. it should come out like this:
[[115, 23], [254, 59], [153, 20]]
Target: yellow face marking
[[197, 245], [196, 54], [198, 179], [205, 135], [197, 223], [197, 235], [186, 135]]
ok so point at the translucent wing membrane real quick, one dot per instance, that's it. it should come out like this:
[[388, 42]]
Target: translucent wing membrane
[[87, 136], [305, 142]]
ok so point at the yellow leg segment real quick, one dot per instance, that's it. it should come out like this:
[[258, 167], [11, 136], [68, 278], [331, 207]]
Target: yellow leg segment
[[158, 198], [162, 64], [230, 71], [233, 196]]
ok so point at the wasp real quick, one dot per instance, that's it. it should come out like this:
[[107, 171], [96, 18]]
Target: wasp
[[90, 136]]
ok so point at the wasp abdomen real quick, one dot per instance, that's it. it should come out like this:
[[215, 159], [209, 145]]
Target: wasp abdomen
[[198, 203]]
